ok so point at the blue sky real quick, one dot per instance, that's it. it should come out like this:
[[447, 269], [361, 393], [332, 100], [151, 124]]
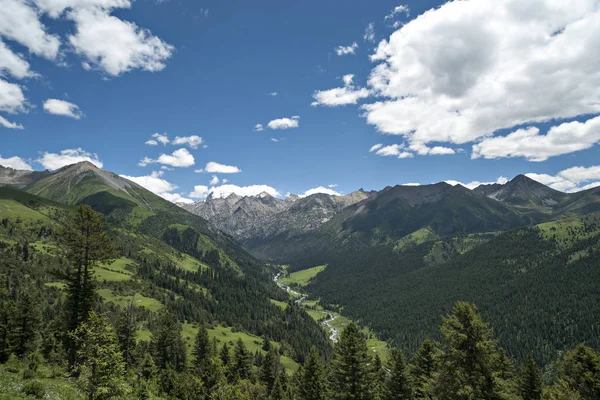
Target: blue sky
[[441, 98]]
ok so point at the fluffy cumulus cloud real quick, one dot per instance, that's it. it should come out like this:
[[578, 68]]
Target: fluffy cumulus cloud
[[15, 163], [216, 168], [8, 124], [560, 139], [191, 141], [13, 64], [258, 128], [214, 181], [401, 9], [62, 107], [201, 192], [160, 186], [179, 158], [54, 161], [462, 71], [369, 35], [284, 123], [572, 179], [341, 96], [343, 50], [12, 99], [320, 189], [162, 138], [409, 151]]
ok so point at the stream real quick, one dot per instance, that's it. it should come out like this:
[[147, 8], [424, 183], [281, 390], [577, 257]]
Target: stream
[[330, 315]]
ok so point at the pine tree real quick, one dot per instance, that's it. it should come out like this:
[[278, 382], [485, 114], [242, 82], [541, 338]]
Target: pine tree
[[225, 355], [7, 309], [581, 370], [85, 244], [530, 382], [350, 377], [470, 365], [241, 365], [278, 392], [270, 369], [167, 344], [126, 332], [398, 384], [202, 351], [266, 345], [379, 377], [312, 383], [100, 364], [423, 365], [25, 323]]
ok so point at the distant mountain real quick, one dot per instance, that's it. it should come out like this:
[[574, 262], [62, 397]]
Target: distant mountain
[[265, 216], [523, 192], [20, 178]]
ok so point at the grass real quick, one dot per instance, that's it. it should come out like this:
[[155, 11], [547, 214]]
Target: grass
[[55, 386], [418, 237], [13, 209], [281, 304], [302, 278], [115, 271], [138, 299]]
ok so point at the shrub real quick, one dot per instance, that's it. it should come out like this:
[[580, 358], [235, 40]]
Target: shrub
[[35, 389]]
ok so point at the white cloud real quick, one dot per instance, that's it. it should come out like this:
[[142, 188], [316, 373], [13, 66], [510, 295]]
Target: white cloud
[[215, 167], [572, 179], [472, 185], [15, 163], [10, 125], [199, 171], [398, 10], [179, 158], [225, 181], [343, 50], [320, 189], [333, 185], [397, 150], [151, 142], [274, 140], [214, 181], [258, 128], [349, 94], [115, 46], [560, 139], [273, 94], [12, 99], [61, 107], [424, 150], [375, 147], [192, 141], [156, 184], [225, 190], [200, 192], [411, 184], [162, 138], [19, 21], [369, 35], [54, 161], [13, 64], [284, 123], [55, 8], [466, 69]]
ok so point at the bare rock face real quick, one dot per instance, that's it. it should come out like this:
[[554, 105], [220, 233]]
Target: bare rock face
[[264, 215], [20, 178], [524, 192]]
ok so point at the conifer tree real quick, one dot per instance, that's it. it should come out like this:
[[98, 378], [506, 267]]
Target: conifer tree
[[85, 244], [126, 332], [530, 382], [25, 323], [270, 369], [350, 375], [581, 370], [312, 382], [278, 392], [7, 309], [225, 355], [470, 365], [379, 377], [423, 365], [398, 384], [241, 365], [202, 351], [100, 364], [167, 344]]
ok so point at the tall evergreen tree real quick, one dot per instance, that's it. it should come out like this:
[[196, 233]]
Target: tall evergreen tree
[[350, 375], [7, 309], [100, 364], [167, 344], [126, 332], [470, 365], [241, 365], [270, 368], [202, 351], [312, 382], [379, 374], [25, 323], [278, 391], [530, 380], [398, 384], [85, 244], [225, 355], [423, 365], [581, 370]]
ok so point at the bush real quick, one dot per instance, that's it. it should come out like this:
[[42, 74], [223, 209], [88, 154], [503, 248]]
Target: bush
[[34, 388], [28, 373]]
